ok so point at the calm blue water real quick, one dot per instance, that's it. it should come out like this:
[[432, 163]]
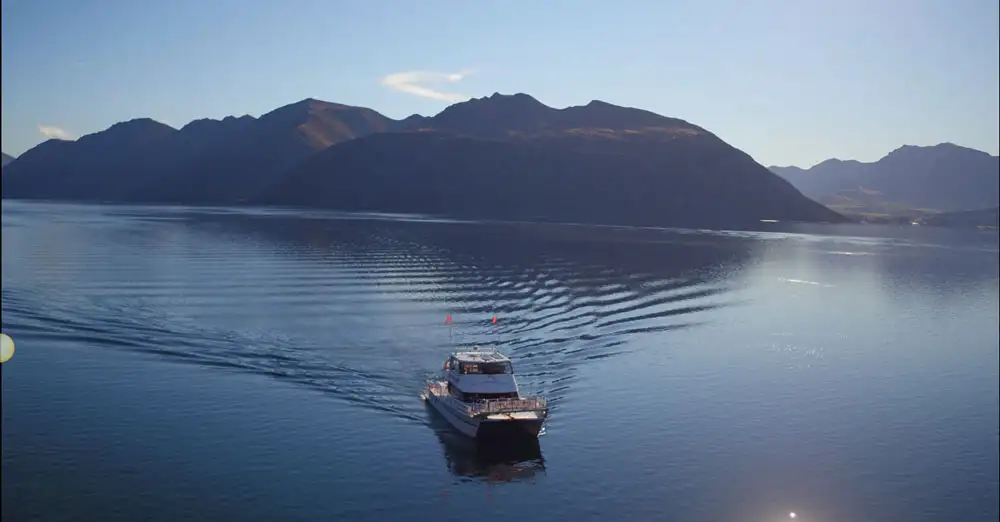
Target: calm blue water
[[199, 364]]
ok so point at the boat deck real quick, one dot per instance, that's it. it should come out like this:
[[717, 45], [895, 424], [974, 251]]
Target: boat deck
[[526, 408]]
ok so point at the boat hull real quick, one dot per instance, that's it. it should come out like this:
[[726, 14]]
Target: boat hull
[[467, 425], [501, 426]]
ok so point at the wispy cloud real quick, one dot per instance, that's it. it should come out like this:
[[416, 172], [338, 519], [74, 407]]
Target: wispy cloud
[[51, 131], [420, 83]]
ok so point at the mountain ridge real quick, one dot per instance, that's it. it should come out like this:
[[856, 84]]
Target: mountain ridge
[[653, 169], [942, 177], [980, 218]]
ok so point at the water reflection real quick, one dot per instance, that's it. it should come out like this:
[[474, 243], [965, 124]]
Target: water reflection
[[493, 463]]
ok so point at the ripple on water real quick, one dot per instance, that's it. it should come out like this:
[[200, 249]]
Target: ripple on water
[[352, 308]]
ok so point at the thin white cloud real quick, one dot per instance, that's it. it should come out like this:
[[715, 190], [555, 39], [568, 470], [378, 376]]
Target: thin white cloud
[[419, 83], [51, 131]]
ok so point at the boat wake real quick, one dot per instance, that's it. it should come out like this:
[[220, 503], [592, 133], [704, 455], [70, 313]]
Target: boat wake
[[353, 308]]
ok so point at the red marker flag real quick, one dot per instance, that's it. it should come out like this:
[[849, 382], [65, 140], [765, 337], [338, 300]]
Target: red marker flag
[[494, 319], [447, 319]]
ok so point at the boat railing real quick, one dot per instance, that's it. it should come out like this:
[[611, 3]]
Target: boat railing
[[491, 406]]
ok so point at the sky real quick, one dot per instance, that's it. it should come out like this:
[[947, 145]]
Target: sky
[[790, 82]]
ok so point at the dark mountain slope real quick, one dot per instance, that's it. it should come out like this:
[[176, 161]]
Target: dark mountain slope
[[513, 157], [439, 173]]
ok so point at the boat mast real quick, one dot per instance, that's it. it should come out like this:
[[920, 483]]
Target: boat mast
[[451, 333]]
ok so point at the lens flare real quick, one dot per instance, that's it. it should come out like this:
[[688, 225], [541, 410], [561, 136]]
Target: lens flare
[[6, 347]]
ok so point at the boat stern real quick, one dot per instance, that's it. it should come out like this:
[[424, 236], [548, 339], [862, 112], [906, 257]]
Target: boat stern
[[508, 430], [511, 425]]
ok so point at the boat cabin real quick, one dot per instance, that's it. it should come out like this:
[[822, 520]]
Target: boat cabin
[[476, 375]]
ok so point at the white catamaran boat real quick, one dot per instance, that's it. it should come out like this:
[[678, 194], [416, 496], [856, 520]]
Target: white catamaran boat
[[480, 398]]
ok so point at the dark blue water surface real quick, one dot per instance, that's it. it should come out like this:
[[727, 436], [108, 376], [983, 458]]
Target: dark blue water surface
[[213, 364]]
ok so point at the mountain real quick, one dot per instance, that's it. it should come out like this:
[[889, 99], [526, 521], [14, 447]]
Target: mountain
[[429, 172], [512, 157], [502, 156], [521, 115], [227, 162], [7, 158], [205, 162], [96, 166], [989, 217], [943, 177]]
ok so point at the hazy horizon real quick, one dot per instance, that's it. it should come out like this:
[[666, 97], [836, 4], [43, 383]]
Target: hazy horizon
[[788, 83]]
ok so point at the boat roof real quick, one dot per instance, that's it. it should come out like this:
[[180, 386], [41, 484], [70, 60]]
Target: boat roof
[[486, 355]]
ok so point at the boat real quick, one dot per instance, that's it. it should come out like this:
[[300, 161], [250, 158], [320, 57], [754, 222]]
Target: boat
[[479, 396]]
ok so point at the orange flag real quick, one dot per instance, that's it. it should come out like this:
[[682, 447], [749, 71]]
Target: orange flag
[[447, 319], [494, 319]]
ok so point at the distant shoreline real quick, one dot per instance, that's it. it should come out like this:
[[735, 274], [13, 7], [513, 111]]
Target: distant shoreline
[[330, 213]]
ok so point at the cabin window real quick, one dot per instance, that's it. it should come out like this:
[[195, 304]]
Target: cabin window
[[493, 368], [488, 396]]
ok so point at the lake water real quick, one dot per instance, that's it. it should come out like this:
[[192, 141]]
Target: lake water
[[211, 364]]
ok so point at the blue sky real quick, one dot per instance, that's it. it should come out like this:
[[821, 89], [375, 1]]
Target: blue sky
[[789, 82]]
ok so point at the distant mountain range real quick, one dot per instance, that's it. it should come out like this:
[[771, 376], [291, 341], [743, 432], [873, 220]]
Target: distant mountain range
[[943, 177], [7, 158], [502, 156], [989, 217]]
